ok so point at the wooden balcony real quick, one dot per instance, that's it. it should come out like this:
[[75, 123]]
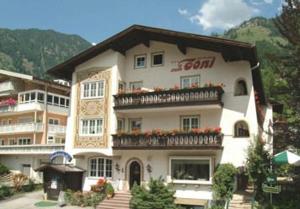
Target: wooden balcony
[[170, 98], [168, 141]]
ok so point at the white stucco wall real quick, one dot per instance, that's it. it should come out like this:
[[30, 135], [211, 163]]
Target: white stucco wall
[[235, 108]]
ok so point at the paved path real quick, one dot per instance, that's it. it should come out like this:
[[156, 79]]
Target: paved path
[[27, 201]]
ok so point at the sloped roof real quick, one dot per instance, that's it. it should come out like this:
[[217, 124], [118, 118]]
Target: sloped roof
[[138, 34], [62, 168]]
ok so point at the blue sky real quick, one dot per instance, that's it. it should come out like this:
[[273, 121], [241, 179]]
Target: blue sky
[[96, 20]]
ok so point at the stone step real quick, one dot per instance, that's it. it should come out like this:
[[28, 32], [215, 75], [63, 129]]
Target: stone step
[[119, 201]]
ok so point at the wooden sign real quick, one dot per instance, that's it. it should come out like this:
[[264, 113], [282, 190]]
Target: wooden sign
[[194, 64]]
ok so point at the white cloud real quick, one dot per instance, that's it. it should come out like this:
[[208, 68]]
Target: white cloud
[[183, 12], [222, 14]]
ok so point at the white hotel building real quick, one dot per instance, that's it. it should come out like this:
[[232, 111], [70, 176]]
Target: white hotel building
[[149, 102]]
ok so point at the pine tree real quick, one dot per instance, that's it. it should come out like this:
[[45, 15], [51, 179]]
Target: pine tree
[[288, 68], [157, 196]]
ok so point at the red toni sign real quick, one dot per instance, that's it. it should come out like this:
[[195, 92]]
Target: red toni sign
[[194, 64]]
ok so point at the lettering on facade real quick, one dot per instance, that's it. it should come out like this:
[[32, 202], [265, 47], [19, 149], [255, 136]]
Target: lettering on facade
[[194, 64]]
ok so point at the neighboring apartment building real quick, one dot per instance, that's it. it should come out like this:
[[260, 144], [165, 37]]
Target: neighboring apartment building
[[33, 119], [150, 102]]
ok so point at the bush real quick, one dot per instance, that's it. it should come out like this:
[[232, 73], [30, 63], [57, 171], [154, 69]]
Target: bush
[[3, 169], [109, 190], [5, 191], [157, 196], [83, 199], [223, 181], [258, 164], [29, 187]]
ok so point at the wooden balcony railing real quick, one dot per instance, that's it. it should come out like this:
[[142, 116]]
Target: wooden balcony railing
[[170, 141], [180, 97]]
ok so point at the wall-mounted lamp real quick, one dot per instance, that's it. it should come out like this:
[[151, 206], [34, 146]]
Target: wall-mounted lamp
[[117, 167], [149, 168]]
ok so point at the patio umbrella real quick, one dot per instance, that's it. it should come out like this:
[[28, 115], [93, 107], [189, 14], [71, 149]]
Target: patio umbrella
[[286, 157]]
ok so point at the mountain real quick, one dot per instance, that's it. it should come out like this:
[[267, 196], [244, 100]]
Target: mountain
[[263, 33], [33, 51]]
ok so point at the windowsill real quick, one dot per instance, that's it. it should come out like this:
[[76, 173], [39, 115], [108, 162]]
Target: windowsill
[[101, 97], [90, 135], [191, 182], [97, 178], [160, 65]]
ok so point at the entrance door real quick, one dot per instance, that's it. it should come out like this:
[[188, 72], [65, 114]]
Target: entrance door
[[134, 174], [26, 168]]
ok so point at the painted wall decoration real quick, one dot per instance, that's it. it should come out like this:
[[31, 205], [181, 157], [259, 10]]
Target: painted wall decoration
[[194, 64], [87, 108]]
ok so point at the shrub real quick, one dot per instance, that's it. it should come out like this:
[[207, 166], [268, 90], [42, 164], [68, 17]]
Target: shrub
[[29, 187], [5, 191], [18, 181], [109, 190], [223, 181], [83, 199], [157, 196], [3, 169], [258, 164]]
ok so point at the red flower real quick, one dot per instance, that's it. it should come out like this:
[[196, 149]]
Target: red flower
[[101, 182]]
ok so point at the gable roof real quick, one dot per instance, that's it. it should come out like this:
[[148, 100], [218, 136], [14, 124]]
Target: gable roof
[[138, 34]]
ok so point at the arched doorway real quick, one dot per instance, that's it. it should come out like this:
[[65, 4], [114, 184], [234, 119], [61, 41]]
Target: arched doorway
[[134, 174]]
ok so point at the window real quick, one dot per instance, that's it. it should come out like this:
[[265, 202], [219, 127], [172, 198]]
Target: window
[[241, 129], [55, 140], [12, 141], [122, 85], [28, 97], [57, 100], [2, 142], [24, 141], [190, 81], [100, 167], [40, 97], [136, 85], [93, 89], [135, 125], [140, 61], [53, 121], [190, 122], [194, 169], [120, 124], [50, 140], [240, 88], [91, 126], [157, 59], [49, 99]]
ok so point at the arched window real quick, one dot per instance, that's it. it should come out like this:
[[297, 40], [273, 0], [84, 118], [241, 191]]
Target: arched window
[[240, 88], [100, 167], [241, 129]]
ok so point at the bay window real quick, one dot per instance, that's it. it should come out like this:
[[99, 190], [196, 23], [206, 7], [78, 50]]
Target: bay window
[[190, 169], [100, 167]]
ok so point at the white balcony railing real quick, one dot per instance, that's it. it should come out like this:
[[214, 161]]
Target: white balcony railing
[[31, 149], [21, 128], [11, 108], [56, 129]]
